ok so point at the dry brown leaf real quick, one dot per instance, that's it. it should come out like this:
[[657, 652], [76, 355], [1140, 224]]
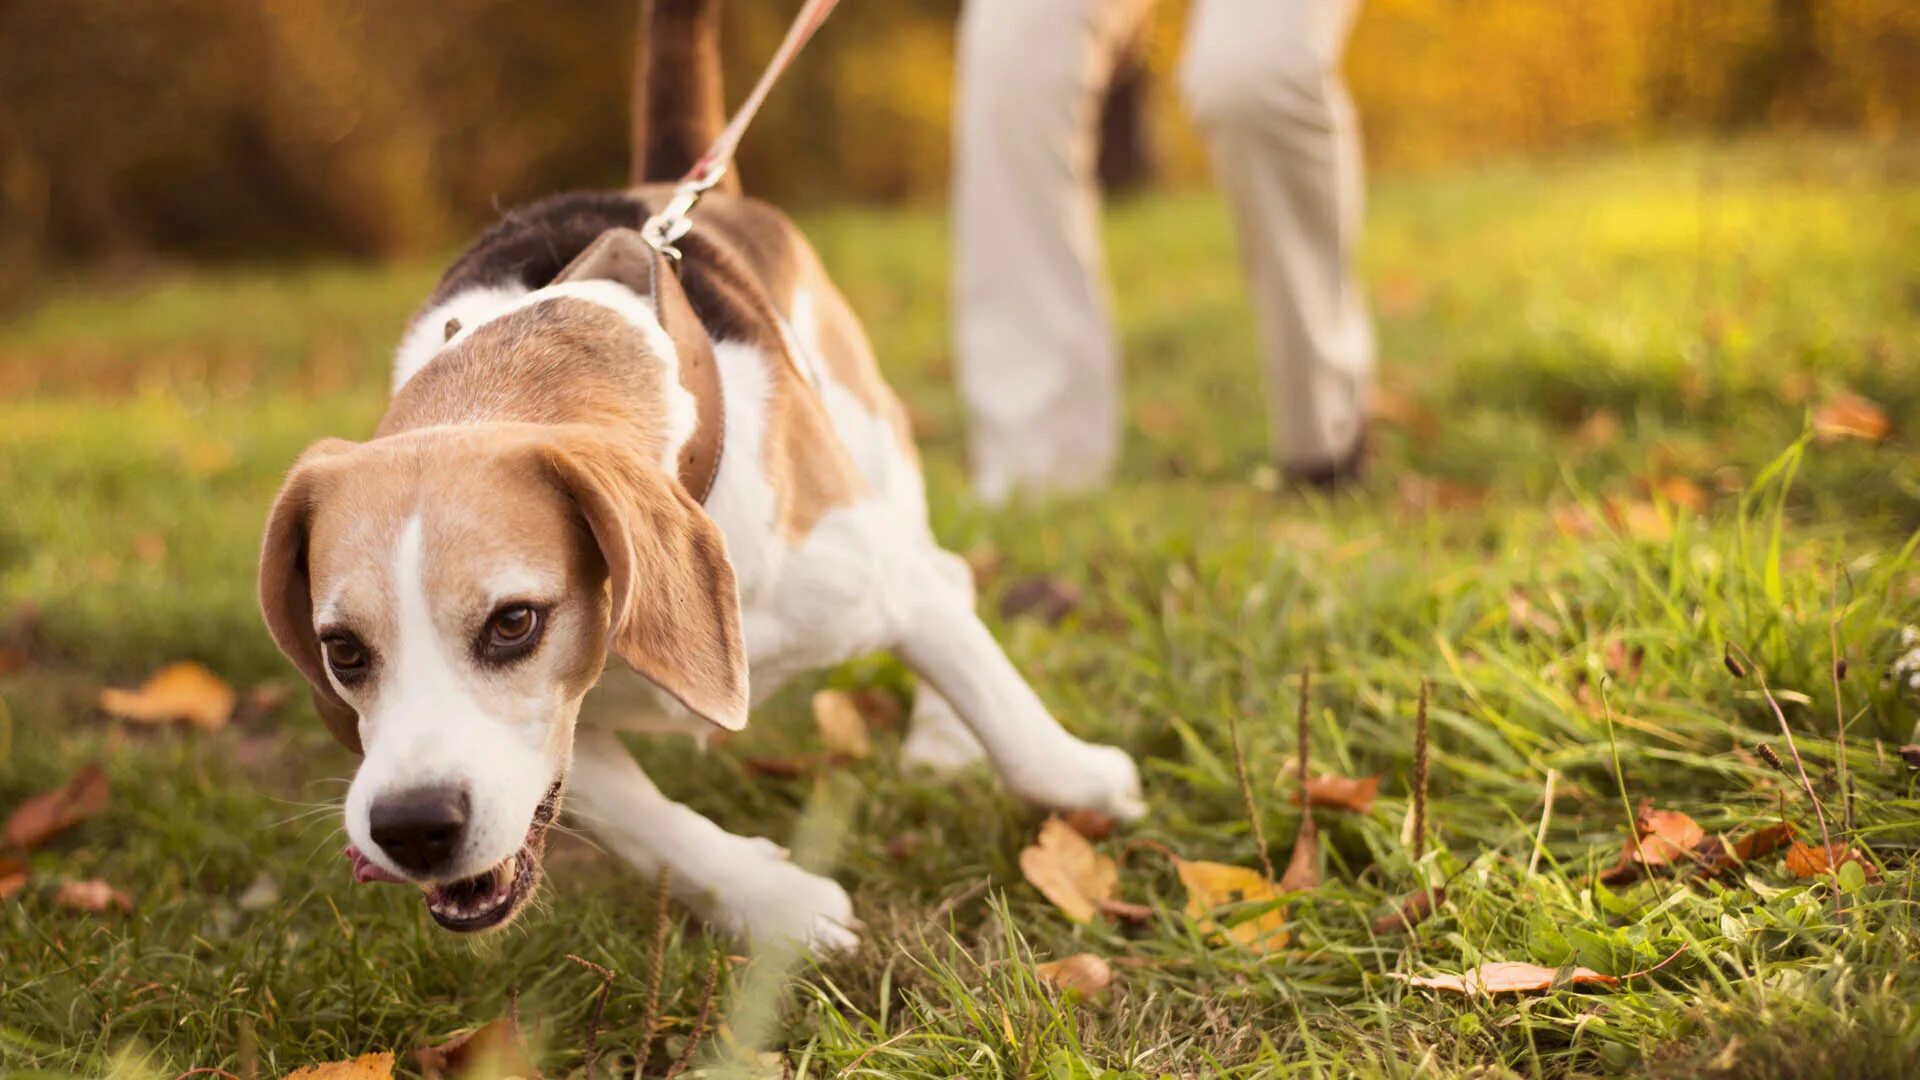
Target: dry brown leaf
[[880, 707], [1847, 415], [1211, 886], [41, 817], [1524, 618], [1662, 837], [904, 847], [1067, 871], [1303, 866], [1680, 492], [1411, 913], [365, 1067], [13, 876], [261, 702], [1599, 430], [1623, 662], [1573, 521], [1091, 824], [1812, 860], [183, 691], [841, 727], [1506, 977], [12, 659], [1717, 856], [92, 895], [1040, 596], [1421, 494], [1354, 794], [1084, 972], [495, 1051], [1641, 520]]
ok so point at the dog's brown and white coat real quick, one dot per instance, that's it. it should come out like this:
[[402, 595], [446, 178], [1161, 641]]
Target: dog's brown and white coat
[[542, 493]]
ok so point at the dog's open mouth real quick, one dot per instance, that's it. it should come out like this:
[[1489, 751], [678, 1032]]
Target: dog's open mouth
[[486, 900]]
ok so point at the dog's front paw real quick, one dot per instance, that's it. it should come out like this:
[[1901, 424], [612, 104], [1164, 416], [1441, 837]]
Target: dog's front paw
[[1087, 777], [773, 903]]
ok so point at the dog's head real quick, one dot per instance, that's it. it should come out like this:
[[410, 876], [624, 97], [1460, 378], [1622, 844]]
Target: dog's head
[[451, 593]]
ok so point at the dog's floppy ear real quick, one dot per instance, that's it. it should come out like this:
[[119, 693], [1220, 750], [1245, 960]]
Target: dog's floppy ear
[[675, 609], [286, 588]]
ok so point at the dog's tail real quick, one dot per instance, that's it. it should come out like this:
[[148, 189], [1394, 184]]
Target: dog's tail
[[677, 105]]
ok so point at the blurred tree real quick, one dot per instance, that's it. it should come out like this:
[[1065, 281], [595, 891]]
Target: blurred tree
[[133, 128]]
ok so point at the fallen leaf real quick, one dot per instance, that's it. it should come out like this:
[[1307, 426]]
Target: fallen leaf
[[1623, 662], [183, 691], [1411, 912], [494, 1051], [261, 702], [1084, 972], [841, 727], [365, 1067], [1524, 618], [1067, 871], [788, 768], [1599, 430], [1573, 521], [1641, 520], [12, 659], [1662, 837], [1091, 824], [1040, 596], [1425, 493], [1680, 492], [1211, 886], [13, 876], [905, 846], [984, 562], [1351, 793], [1718, 856], [1811, 860], [92, 895], [1507, 977], [40, 818], [880, 707], [1847, 415], [1303, 866]]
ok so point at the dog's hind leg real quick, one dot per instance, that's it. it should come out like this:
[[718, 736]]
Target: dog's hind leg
[[937, 738], [943, 640], [744, 884]]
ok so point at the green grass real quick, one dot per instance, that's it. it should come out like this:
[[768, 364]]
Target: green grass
[[1706, 297]]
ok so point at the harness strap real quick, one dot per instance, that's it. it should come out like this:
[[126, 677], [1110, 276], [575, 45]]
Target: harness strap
[[616, 258]]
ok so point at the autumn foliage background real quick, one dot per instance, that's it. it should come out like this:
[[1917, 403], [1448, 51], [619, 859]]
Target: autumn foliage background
[[136, 129]]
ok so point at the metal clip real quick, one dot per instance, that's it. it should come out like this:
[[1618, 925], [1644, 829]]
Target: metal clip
[[672, 222]]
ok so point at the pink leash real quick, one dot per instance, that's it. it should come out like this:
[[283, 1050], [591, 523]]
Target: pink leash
[[672, 222]]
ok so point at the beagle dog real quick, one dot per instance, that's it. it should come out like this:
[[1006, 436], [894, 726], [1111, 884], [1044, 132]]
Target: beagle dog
[[615, 494]]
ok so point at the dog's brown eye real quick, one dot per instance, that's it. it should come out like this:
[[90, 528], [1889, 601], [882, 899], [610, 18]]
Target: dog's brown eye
[[511, 632], [347, 658]]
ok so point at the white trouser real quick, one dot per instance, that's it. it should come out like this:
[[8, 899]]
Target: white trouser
[[1038, 362]]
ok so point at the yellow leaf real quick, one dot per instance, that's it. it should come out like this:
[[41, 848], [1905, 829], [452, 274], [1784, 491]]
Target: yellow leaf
[[1211, 886], [364, 1067], [841, 727], [183, 691], [1505, 977], [1084, 972], [1067, 871]]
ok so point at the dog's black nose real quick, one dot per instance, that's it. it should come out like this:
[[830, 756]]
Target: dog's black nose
[[419, 829]]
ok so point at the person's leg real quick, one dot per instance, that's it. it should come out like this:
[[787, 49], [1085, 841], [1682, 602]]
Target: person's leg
[[1037, 360], [1262, 79]]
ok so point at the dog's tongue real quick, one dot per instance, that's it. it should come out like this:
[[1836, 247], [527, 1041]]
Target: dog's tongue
[[364, 869]]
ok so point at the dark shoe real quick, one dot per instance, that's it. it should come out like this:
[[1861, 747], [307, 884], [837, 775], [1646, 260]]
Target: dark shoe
[[1329, 477]]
